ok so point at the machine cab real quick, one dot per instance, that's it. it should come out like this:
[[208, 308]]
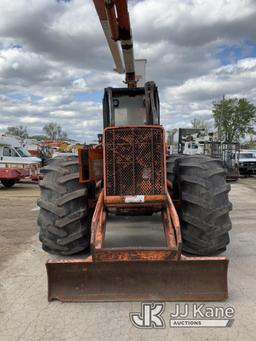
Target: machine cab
[[133, 142], [131, 106]]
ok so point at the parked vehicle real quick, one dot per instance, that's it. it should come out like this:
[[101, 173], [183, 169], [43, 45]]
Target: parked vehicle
[[197, 142], [16, 163], [247, 162]]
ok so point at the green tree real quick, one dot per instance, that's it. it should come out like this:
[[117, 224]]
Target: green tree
[[234, 118], [199, 124], [54, 131], [18, 131], [38, 137]]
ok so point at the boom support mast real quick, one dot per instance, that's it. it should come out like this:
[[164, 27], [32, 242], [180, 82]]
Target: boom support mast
[[115, 21]]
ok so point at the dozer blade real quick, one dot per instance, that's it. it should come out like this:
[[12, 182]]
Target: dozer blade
[[190, 279]]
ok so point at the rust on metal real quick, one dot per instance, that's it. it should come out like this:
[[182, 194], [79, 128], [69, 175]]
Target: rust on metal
[[91, 159], [175, 222], [170, 233], [190, 279], [134, 161], [96, 219], [134, 254], [155, 199], [171, 250], [150, 206], [100, 232]]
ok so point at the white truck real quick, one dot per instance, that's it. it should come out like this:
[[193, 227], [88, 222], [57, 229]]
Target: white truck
[[15, 162], [247, 162], [199, 142], [193, 147]]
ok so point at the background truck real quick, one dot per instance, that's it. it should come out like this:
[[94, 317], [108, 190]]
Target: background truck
[[247, 162], [199, 142], [16, 163]]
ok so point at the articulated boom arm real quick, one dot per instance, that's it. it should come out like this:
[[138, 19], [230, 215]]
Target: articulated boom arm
[[115, 21]]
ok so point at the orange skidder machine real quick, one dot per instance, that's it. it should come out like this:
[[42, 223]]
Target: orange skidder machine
[[129, 174]]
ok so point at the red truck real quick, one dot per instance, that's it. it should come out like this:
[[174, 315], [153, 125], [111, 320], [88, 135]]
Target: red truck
[[16, 163]]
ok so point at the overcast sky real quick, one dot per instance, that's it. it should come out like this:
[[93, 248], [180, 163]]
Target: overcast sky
[[54, 61]]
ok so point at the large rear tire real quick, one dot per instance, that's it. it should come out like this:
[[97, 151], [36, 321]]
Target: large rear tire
[[204, 211], [172, 174], [64, 218]]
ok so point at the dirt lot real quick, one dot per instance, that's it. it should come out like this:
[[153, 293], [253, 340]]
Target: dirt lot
[[25, 313], [17, 224]]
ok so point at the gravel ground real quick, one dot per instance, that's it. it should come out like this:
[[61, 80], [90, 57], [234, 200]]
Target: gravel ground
[[25, 313]]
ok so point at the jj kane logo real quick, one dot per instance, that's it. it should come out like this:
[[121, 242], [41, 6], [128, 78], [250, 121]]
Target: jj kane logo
[[183, 316], [149, 317]]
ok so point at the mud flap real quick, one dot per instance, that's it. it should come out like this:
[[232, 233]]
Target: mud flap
[[190, 279]]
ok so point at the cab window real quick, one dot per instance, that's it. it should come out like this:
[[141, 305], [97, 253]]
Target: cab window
[[129, 110], [246, 156], [9, 152]]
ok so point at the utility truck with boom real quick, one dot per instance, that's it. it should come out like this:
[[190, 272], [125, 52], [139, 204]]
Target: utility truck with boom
[[129, 175]]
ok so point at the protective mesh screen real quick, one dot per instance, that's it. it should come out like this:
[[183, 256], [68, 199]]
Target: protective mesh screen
[[134, 161]]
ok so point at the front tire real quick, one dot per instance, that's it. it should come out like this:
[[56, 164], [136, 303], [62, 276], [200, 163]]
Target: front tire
[[8, 182], [64, 218], [204, 209]]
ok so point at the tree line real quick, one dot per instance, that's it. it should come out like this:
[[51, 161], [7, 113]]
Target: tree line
[[234, 118], [52, 131]]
